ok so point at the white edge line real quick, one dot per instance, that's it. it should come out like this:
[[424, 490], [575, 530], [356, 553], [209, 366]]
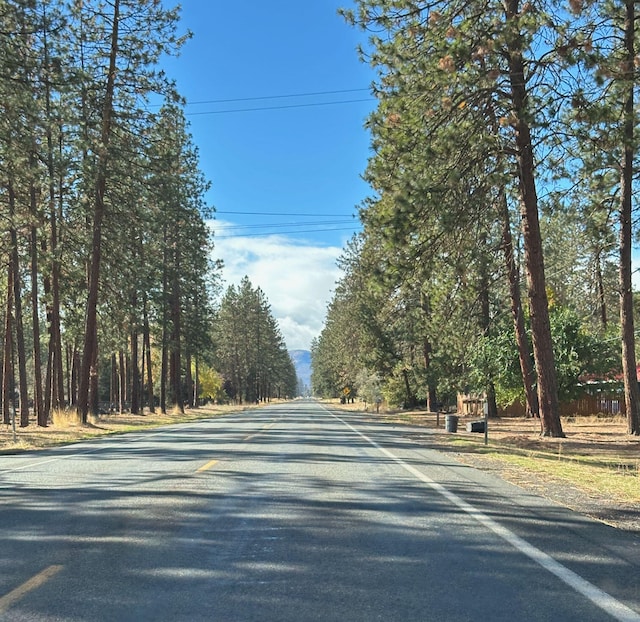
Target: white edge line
[[598, 597]]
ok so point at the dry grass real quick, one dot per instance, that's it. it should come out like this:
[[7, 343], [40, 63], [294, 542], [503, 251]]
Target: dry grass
[[66, 426]]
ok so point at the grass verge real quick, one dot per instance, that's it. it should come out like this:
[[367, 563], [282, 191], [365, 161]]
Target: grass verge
[[66, 427]]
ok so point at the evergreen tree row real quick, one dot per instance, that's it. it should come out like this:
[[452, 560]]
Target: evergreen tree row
[[504, 142], [105, 279], [249, 350]]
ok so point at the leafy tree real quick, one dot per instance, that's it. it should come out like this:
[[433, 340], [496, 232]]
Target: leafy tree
[[579, 353], [369, 387], [211, 384]]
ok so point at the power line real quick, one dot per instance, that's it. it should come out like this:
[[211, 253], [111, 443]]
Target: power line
[[279, 233], [248, 99], [285, 214], [282, 224], [310, 105]]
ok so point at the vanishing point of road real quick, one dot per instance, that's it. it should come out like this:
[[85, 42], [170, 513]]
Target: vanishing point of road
[[294, 512]]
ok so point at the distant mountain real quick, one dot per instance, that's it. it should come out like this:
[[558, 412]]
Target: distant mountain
[[302, 362]]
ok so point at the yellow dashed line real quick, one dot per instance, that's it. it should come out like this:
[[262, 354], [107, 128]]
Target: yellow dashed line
[[22, 590], [206, 467], [264, 427]]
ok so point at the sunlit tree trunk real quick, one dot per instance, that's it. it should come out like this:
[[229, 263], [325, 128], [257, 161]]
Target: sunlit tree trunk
[[517, 313], [38, 402], [533, 254], [175, 349], [7, 359], [196, 382], [147, 348], [188, 379], [17, 303], [113, 382], [122, 382], [629, 373], [135, 372], [89, 354], [485, 319], [54, 391]]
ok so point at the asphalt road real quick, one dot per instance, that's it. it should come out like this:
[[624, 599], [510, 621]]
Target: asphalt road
[[294, 513]]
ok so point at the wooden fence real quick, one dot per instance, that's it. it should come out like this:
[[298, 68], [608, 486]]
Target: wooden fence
[[586, 405], [611, 404]]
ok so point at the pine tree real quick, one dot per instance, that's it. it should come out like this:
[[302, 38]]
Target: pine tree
[[471, 60]]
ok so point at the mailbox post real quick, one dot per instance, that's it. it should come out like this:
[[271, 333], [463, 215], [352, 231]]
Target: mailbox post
[[485, 408]]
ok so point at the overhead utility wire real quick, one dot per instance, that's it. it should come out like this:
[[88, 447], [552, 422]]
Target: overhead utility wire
[[345, 101], [250, 99], [286, 214], [251, 235], [282, 224]]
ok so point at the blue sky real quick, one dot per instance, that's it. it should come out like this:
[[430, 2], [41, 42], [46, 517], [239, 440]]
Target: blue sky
[[290, 156]]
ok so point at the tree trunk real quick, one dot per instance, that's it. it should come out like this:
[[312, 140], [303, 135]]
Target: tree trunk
[[517, 313], [54, 383], [89, 354], [629, 373], [533, 255], [135, 373], [188, 379], [55, 373], [75, 371], [93, 378], [17, 303], [7, 359], [146, 339], [196, 383], [122, 382], [38, 402], [47, 380], [175, 377], [164, 366], [492, 405], [410, 402], [427, 348], [485, 318], [163, 378], [176, 336], [143, 371], [113, 383]]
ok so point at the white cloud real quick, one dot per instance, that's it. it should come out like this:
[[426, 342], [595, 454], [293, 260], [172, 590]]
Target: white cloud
[[297, 278]]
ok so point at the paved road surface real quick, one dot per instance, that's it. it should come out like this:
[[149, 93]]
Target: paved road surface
[[294, 513]]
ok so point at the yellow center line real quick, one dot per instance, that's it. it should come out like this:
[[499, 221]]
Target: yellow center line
[[22, 590], [206, 467], [264, 427]]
